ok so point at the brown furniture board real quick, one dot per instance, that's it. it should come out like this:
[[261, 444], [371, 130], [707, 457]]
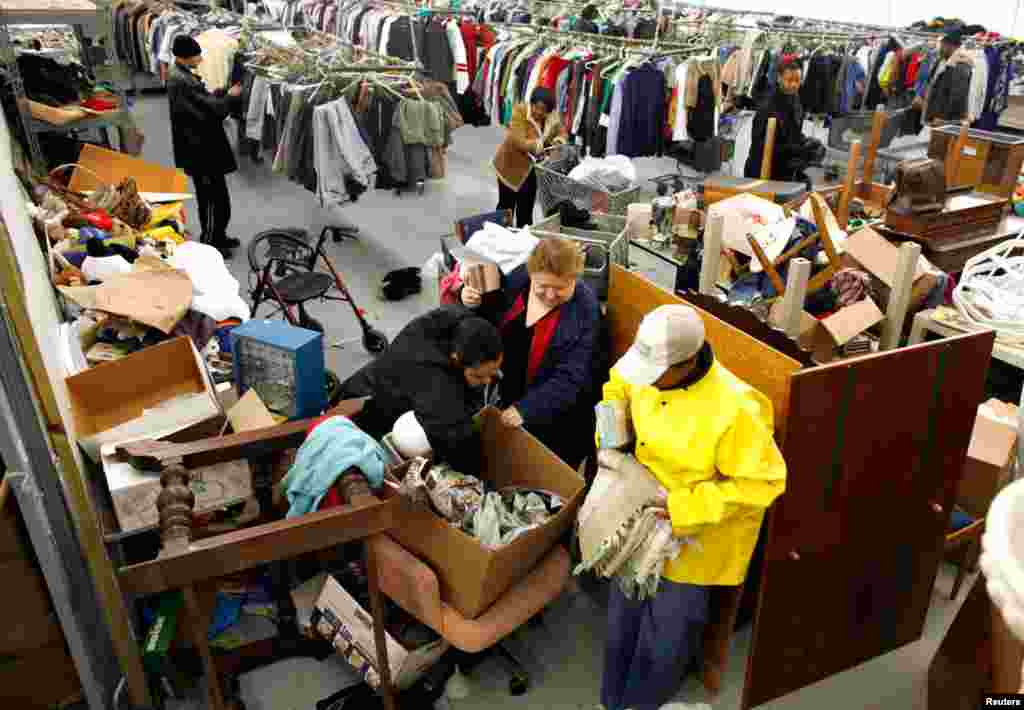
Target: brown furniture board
[[879, 439], [631, 297], [990, 162]]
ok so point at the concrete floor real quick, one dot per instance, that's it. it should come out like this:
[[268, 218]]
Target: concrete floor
[[564, 654]]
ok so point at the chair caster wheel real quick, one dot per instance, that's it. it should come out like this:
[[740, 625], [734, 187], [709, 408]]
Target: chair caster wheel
[[421, 186], [519, 684]]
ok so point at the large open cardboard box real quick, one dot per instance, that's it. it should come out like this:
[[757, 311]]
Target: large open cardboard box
[[142, 396], [473, 577]]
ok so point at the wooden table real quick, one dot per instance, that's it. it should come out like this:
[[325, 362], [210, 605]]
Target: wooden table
[[951, 258], [926, 322], [193, 566]]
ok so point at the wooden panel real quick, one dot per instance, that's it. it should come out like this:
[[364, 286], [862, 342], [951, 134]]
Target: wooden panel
[[39, 679], [244, 549], [631, 296], [875, 448], [13, 286]]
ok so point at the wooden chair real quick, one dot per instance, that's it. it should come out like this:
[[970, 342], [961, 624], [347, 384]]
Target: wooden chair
[[821, 279]]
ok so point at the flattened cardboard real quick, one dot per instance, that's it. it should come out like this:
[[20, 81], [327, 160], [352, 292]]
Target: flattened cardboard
[[96, 164], [117, 401], [471, 576], [877, 254], [851, 321], [333, 602], [250, 413], [155, 298]]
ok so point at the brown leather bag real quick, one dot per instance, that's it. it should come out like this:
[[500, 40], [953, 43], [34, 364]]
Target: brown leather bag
[[920, 187]]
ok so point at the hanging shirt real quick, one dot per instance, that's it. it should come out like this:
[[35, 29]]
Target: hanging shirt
[[458, 47], [680, 133]]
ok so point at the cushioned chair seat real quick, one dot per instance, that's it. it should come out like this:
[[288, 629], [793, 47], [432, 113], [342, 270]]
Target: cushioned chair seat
[[413, 585]]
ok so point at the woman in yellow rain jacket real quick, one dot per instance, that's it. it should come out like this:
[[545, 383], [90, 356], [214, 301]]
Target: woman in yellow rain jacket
[[707, 437]]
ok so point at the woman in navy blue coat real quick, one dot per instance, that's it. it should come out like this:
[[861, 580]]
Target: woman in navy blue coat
[[549, 321]]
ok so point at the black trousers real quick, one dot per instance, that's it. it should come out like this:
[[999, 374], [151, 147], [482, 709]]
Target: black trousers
[[520, 202], [214, 204]]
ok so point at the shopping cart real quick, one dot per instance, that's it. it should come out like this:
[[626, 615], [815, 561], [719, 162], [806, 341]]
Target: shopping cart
[[554, 186]]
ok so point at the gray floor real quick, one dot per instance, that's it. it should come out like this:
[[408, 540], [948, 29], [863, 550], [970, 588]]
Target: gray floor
[[564, 654]]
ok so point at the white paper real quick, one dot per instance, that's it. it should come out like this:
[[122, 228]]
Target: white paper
[[772, 239], [105, 267]]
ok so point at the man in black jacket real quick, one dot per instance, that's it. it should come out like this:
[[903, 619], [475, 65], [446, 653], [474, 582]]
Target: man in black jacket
[[793, 152], [950, 85], [201, 146], [436, 367]]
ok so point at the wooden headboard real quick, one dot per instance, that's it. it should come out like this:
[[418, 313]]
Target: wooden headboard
[[631, 297]]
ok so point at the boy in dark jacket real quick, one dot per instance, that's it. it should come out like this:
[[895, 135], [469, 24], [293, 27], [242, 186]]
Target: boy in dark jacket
[[950, 85], [793, 152], [201, 146]]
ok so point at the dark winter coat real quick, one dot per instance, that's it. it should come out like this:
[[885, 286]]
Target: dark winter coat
[[200, 143], [415, 373], [791, 146], [947, 95]]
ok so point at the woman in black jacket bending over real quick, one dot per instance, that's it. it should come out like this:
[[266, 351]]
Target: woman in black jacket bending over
[[436, 367], [549, 320], [793, 152]]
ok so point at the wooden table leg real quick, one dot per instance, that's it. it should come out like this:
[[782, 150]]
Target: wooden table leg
[[199, 624], [379, 637]]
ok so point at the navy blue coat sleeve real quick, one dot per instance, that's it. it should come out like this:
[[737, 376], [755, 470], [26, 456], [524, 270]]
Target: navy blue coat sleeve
[[571, 366]]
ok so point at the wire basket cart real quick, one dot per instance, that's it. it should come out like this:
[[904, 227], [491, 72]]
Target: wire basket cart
[[554, 185]]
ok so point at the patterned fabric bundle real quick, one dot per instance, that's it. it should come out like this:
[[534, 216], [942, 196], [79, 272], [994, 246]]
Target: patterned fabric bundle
[[622, 526], [851, 286]]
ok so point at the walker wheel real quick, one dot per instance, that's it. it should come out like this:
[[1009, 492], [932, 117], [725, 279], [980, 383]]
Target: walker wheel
[[375, 341], [519, 684]]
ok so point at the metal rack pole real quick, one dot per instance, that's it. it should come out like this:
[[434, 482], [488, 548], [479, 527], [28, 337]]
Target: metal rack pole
[[9, 62]]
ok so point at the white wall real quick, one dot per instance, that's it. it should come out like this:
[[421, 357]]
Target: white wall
[[998, 15]]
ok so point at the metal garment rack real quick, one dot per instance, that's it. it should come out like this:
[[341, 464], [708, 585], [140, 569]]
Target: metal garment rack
[[77, 14]]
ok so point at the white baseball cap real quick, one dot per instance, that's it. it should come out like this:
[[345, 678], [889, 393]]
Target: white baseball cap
[[667, 336]]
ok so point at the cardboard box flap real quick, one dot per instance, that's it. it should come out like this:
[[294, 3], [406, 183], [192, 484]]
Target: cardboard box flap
[[877, 254], [991, 441], [851, 321]]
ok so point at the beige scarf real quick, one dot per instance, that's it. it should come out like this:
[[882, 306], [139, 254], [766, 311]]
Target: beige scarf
[[622, 533]]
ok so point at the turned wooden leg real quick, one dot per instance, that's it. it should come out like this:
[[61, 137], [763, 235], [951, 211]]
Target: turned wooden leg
[[174, 505], [377, 609]]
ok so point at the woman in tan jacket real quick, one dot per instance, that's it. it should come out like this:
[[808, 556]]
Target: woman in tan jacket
[[533, 128]]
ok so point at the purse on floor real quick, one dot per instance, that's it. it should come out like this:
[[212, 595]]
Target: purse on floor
[[920, 187]]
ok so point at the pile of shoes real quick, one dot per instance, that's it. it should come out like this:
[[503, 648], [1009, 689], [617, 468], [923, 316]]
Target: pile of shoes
[[401, 283]]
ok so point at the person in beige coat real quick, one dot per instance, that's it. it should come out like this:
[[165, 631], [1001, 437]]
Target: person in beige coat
[[534, 127]]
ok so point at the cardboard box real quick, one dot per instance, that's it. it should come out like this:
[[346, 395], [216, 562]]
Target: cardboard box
[[473, 577], [989, 458], [148, 395], [98, 166], [339, 618]]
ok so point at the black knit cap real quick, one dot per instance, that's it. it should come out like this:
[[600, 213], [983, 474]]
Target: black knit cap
[[544, 96], [185, 47]]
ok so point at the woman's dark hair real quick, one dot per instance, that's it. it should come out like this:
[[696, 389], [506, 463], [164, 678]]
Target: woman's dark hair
[[544, 96], [476, 341]]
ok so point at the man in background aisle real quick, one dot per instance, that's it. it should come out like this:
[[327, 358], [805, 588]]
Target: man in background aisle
[[201, 146], [946, 100]]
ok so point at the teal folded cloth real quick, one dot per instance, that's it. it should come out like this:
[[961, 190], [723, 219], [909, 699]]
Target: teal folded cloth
[[332, 448]]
